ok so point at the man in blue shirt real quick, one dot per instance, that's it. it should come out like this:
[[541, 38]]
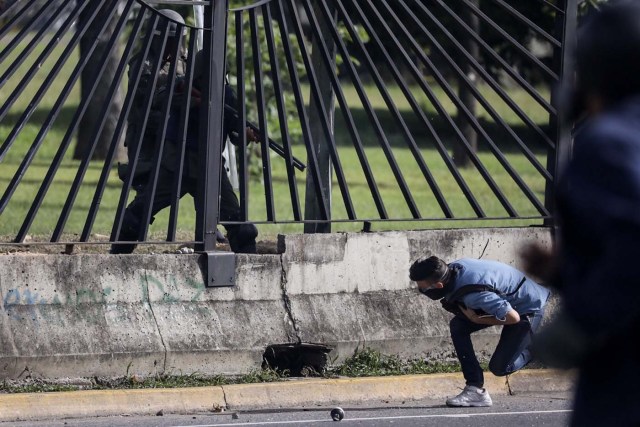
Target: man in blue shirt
[[482, 294]]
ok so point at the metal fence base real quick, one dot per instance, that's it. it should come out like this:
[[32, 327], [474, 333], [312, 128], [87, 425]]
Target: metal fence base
[[220, 268]]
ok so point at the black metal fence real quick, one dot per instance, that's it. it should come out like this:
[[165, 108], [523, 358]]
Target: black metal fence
[[364, 110]]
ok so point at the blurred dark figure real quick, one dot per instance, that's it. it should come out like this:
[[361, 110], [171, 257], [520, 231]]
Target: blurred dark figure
[[599, 235], [241, 237]]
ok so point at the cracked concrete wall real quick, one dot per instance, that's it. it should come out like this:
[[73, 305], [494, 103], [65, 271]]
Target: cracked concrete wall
[[87, 315], [106, 315], [350, 290]]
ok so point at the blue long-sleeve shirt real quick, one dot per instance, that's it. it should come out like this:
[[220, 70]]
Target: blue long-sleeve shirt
[[528, 298]]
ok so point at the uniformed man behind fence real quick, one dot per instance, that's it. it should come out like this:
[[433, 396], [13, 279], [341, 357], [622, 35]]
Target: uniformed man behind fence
[[242, 237]]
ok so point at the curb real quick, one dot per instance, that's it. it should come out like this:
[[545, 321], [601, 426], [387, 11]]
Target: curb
[[286, 394]]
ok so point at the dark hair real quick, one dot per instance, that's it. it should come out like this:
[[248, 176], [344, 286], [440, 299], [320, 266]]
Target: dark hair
[[607, 58], [428, 268]]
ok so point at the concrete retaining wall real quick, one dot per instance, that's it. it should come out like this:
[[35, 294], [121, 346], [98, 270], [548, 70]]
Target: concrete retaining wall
[[106, 315]]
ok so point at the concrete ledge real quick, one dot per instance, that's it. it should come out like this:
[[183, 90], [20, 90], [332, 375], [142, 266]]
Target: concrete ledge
[[288, 394]]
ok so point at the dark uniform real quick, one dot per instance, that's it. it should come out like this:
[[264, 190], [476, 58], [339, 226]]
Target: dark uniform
[[241, 237]]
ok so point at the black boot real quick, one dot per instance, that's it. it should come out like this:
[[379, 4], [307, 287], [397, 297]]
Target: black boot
[[128, 232], [242, 238]]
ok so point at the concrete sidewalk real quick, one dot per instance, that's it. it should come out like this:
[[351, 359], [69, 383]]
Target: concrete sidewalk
[[287, 394]]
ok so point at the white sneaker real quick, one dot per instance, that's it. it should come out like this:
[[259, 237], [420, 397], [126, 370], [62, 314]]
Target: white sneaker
[[471, 396]]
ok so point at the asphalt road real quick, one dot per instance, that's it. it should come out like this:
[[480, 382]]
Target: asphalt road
[[541, 409]]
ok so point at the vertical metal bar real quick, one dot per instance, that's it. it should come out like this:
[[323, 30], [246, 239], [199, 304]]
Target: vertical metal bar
[[313, 173], [146, 107], [489, 80], [183, 130], [24, 31], [566, 26], [373, 118], [513, 42], [282, 113], [391, 64], [329, 67], [355, 136], [481, 131], [17, 91], [113, 145], [26, 161], [16, 18], [66, 141], [407, 91], [324, 119], [529, 23], [262, 117], [485, 46], [476, 93], [161, 137], [553, 6], [75, 186], [447, 117], [211, 134], [39, 61], [241, 108]]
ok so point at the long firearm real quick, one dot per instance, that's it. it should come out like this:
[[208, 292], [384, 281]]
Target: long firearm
[[272, 144]]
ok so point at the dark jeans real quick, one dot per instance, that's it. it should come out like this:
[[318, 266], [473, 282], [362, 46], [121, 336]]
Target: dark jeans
[[511, 354], [242, 237]]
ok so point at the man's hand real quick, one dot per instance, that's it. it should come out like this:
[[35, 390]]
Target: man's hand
[[539, 262], [252, 136], [470, 313], [511, 318]]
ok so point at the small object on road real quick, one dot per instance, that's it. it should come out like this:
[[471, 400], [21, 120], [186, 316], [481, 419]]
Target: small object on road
[[160, 413], [337, 414]]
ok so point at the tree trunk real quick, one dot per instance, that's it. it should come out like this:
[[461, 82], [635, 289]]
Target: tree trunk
[[92, 116], [321, 145], [460, 154]]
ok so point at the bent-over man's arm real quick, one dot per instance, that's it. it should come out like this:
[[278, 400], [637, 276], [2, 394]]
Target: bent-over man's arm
[[510, 318]]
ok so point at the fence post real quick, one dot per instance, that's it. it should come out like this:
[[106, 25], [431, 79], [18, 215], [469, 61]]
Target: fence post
[[211, 116], [220, 266], [321, 146], [566, 29]]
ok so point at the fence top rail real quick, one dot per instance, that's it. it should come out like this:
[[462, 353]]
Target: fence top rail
[[181, 2], [257, 4]]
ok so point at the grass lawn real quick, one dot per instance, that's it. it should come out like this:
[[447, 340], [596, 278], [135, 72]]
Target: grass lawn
[[21, 200]]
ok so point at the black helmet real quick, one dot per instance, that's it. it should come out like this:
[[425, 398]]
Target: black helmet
[[174, 19]]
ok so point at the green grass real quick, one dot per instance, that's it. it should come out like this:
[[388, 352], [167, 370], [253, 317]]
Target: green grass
[[44, 222], [371, 363], [364, 362]]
